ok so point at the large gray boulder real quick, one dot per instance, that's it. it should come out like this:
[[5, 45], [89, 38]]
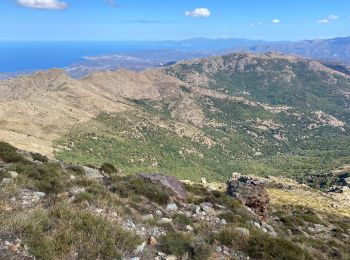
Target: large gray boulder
[[169, 182]]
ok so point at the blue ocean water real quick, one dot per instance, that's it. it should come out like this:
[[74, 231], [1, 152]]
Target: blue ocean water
[[22, 56]]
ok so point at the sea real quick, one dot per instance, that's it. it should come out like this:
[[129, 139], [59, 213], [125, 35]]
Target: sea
[[30, 56]]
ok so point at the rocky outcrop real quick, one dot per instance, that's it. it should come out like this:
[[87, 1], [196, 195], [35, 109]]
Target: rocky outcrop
[[168, 182], [250, 192]]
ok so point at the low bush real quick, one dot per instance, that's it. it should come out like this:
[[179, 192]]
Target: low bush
[[109, 168], [176, 243], [233, 238], [9, 154], [128, 186], [262, 246], [64, 231], [47, 177], [39, 157]]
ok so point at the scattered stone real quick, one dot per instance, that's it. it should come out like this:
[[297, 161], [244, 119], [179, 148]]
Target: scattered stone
[[140, 248], [39, 194], [218, 249], [76, 190], [207, 207], [92, 173], [159, 213], [169, 182], [13, 174], [204, 180], [152, 241], [171, 257], [129, 223], [256, 224], [6, 181], [242, 231], [148, 217], [223, 222], [165, 221], [189, 228], [171, 207]]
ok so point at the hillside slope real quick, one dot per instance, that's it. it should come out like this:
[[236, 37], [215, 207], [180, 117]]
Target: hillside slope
[[262, 114]]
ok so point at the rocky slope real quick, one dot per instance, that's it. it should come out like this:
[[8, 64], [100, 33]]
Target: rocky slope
[[53, 210]]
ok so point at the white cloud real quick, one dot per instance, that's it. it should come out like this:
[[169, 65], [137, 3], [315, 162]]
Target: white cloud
[[323, 21], [43, 4], [199, 12], [328, 19], [276, 21]]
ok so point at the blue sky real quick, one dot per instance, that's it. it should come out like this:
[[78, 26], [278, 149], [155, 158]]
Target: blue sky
[[172, 19]]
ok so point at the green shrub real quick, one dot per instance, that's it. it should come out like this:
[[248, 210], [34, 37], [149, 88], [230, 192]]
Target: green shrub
[[76, 169], [265, 247], [47, 177], [231, 237], [56, 233], [183, 219], [201, 251], [176, 243], [109, 168], [9, 154], [128, 186], [39, 157]]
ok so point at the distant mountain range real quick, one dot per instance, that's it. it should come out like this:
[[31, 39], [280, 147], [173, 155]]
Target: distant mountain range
[[334, 53]]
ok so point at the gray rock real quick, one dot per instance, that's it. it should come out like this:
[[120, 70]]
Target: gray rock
[[159, 213], [13, 174], [171, 207], [169, 182], [92, 173], [148, 217], [207, 207], [242, 231], [39, 194], [189, 228], [6, 181], [165, 221], [223, 222]]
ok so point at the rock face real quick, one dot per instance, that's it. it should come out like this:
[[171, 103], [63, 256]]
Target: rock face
[[169, 182], [250, 192]]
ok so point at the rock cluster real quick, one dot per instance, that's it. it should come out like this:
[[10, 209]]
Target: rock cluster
[[250, 192]]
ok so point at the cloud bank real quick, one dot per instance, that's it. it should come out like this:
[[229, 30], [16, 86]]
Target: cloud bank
[[199, 13], [328, 19], [43, 4]]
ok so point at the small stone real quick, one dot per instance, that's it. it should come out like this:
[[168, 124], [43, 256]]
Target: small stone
[[189, 228], [135, 258], [207, 207], [171, 207], [161, 254], [39, 194], [242, 231], [147, 217], [171, 257], [114, 214], [129, 223], [13, 248], [223, 222], [165, 221], [98, 211], [72, 177], [218, 249], [140, 248], [256, 224], [159, 213], [204, 180], [13, 174], [152, 241], [6, 181]]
